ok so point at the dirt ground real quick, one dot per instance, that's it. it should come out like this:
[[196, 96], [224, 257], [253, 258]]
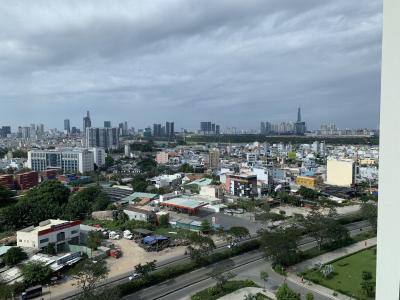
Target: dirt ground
[[133, 254]]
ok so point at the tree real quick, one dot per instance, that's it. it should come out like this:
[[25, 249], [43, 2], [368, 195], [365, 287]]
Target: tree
[[264, 277], [14, 256], [109, 161], [5, 195], [164, 220], [309, 296], [286, 293], [50, 249], [200, 247], [369, 211], [146, 269], [94, 239], [281, 245], [205, 227], [308, 193], [186, 168], [238, 232], [139, 183], [89, 275], [367, 284], [35, 272], [221, 277]]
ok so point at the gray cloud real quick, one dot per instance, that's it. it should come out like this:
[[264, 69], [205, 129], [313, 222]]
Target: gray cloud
[[234, 62]]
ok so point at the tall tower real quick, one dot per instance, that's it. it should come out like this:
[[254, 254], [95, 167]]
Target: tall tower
[[299, 115], [87, 123]]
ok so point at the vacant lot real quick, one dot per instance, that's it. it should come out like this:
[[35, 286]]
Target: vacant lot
[[347, 273]]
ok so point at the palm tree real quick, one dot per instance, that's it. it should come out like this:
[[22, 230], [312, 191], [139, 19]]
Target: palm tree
[[264, 277]]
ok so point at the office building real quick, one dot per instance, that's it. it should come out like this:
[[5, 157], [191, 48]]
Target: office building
[[87, 122], [99, 156], [300, 126], [340, 172], [7, 180], [213, 158], [57, 232], [68, 160], [242, 185], [157, 130], [107, 124], [169, 129], [67, 126], [107, 138]]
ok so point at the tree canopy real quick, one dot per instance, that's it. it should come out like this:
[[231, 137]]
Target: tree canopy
[[14, 255], [35, 272]]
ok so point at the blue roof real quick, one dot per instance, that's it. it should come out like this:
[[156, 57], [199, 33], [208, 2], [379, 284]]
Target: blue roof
[[152, 239]]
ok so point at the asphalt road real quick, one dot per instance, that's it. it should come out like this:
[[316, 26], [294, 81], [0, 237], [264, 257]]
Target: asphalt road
[[175, 284]]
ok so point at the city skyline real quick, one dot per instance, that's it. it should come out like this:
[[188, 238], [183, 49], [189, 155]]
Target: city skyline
[[251, 61]]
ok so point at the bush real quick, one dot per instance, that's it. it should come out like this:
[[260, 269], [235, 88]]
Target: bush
[[14, 256]]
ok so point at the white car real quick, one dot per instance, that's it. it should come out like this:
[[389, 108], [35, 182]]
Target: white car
[[133, 276]]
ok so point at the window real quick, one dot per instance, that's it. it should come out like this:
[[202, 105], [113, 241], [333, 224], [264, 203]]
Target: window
[[74, 231], [44, 240]]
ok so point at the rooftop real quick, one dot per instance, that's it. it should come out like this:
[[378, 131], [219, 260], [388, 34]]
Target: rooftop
[[184, 203]]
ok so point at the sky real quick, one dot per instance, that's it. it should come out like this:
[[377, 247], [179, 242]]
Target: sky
[[232, 62]]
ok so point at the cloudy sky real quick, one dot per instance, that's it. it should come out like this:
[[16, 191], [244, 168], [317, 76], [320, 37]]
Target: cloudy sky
[[230, 61]]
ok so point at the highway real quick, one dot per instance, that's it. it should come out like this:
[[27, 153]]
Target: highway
[[304, 244]]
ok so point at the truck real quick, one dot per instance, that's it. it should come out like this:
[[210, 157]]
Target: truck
[[32, 292]]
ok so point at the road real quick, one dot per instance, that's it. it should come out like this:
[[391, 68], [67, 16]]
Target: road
[[304, 244]]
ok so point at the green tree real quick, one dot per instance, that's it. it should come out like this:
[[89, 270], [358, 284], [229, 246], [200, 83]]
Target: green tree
[[164, 220], [281, 245], [238, 232], [139, 183], [264, 277], [14, 256], [286, 293], [201, 246], [205, 227], [50, 249], [369, 211], [309, 296], [5, 195], [35, 272], [307, 193], [221, 277], [109, 161], [94, 239], [145, 269], [186, 168], [89, 275]]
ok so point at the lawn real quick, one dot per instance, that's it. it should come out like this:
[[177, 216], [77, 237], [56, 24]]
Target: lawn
[[212, 293], [347, 273]]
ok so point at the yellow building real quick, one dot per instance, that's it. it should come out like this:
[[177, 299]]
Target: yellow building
[[340, 172], [306, 181]]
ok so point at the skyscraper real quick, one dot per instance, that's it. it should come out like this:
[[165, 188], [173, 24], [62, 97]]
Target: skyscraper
[[67, 126], [107, 124], [107, 138], [300, 127], [87, 123]]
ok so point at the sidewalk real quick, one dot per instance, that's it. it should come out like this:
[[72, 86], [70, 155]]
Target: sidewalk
[[323, 259]]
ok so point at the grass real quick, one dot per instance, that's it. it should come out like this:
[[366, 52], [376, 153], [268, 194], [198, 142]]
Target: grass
[[212, 293], [347, 273]]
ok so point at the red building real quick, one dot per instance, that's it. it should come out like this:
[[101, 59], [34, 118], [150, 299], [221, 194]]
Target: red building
[[27, 180], [7, 180], [49, 174]]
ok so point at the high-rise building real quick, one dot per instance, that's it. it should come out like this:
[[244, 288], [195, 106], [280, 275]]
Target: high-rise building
[[157, 130], [300, 126], [67, 126], [208, 128], [107, 138], [87, 123], [213, 158], [107, 124], [262, 127], [4, 131]]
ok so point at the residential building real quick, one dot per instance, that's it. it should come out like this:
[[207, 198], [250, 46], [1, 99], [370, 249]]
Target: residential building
[[213, 158], [242, 185], [162, 157], [27, 180], [340, 172], [58, 232], [306, 181], [7, 180], [68, 160], [140, 213], [107, 138]]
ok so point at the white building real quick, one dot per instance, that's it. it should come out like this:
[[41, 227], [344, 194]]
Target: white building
[[57, 232], [340, 172], [99, 156], [69, 160]]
